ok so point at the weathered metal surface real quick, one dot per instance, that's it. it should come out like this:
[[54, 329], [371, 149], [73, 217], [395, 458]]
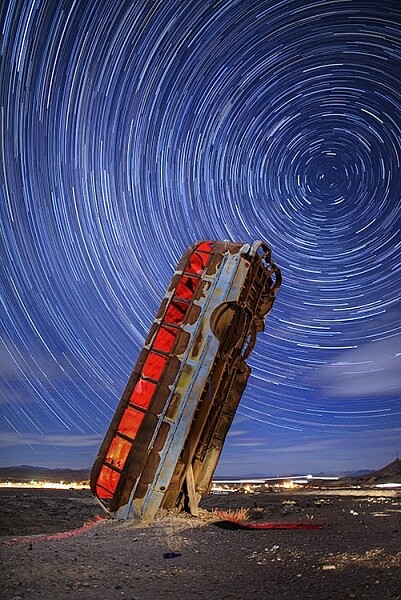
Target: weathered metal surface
[[166, 436]]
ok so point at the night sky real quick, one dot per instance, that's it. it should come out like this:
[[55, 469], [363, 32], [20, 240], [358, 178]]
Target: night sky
[[131, 129]]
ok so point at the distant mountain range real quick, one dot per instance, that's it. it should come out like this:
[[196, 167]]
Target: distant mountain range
[[391, 473], [26, 473]]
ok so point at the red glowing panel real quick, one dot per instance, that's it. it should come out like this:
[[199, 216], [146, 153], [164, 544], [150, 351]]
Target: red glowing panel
[[130, 422], [205, 247], [165, 339], [186, 287], [153, 366], [196, 263], [101, 493], [142, 394], [108, 479], [175, 313], [118, 452]]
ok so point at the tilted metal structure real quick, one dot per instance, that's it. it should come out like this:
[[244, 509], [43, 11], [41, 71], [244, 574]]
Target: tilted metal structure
[[168, 431]]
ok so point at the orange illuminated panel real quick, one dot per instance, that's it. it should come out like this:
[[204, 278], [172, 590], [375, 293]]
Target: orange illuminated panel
[[108, 479], [165, 338], [154, 366], [186, 287], [130, 422], [102, 493], [205, 247], [142, 393], [197, 263], [175, 313], [118, 451]]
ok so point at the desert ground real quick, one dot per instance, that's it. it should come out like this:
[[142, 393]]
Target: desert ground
[[46, 551]]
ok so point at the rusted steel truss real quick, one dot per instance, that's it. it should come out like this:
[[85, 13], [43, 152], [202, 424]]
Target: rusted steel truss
[[167, 434]]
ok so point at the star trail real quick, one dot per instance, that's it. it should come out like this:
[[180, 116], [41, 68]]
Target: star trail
[[129, 130]]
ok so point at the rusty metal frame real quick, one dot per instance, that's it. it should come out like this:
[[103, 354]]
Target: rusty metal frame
[[167, 434]]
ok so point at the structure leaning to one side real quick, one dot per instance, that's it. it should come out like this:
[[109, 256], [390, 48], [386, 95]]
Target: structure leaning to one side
[[167, 434]]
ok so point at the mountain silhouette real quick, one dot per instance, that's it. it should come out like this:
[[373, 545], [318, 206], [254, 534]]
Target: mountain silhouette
[[391, 473]]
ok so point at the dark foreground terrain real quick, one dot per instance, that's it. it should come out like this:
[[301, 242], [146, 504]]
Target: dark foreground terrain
[[356, 554]]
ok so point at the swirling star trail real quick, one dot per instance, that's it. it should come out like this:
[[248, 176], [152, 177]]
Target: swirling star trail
[[131, 129]]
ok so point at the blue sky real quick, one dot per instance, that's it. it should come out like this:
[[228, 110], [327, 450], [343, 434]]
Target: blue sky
[[130, 131]]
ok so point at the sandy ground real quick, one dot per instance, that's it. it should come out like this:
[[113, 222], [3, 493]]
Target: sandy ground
[[356, 554]]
